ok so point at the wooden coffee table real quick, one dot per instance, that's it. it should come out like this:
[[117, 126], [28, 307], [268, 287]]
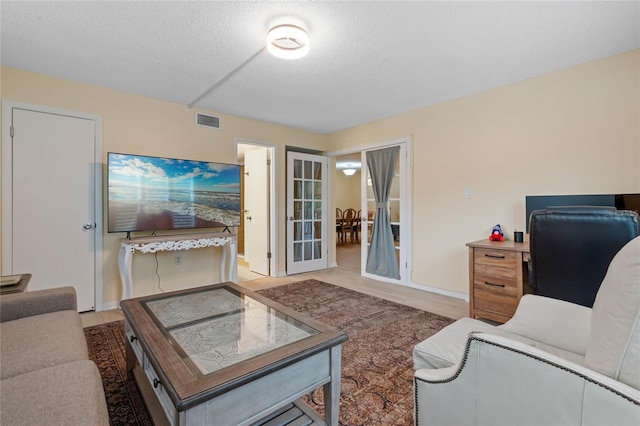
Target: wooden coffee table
[[225, 355]]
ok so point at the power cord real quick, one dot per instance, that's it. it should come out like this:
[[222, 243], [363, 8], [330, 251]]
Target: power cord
[[157, 274]]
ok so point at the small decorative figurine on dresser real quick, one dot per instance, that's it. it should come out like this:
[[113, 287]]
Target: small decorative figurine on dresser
[[496, 234]]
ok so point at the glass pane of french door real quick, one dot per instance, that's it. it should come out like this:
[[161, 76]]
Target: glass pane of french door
[[306, 207]]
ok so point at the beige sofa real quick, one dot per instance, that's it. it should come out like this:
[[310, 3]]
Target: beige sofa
[[46, 376]]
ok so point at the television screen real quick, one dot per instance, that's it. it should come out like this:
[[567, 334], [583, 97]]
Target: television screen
[[154, 193]]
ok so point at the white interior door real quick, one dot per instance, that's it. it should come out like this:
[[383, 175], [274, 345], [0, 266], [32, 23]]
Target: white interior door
[[53, 203], [307, 217], [256, 204]]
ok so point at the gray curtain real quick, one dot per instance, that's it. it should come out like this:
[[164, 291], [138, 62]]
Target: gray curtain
[[381, 258]]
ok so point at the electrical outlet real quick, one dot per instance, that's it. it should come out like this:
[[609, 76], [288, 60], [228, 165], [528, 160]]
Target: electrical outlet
[[178, 259], [467, 193]]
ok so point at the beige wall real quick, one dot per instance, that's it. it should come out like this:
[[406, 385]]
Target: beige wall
[[141, 125], [572, 131], [347, 191]]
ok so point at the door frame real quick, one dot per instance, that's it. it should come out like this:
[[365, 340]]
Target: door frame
[[7, 186], [407, 236], [273, 223]]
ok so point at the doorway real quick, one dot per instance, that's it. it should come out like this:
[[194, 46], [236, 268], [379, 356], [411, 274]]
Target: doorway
[[347, 195], [398, 206], [52, 199], [256, 234]]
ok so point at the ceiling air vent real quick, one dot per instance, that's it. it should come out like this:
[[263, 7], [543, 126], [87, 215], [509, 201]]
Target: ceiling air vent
[[203, 120]]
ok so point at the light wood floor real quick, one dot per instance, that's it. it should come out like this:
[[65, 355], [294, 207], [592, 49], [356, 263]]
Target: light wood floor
[[346, 275]]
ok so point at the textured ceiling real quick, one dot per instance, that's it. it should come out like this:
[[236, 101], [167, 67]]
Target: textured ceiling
[[368, 60]]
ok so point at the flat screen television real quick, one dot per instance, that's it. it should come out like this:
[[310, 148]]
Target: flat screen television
[[154, 193], [619, 201]]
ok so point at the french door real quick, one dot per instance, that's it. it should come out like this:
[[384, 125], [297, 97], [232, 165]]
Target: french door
[[397, 208], [307, 209]]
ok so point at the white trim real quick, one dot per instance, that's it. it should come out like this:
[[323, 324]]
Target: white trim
[[273, 246], [409, 209], [454, 294], [110, 306], [7, 186], [368, 146]]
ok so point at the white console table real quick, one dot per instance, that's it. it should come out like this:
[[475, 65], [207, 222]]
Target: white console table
[[228, 266]]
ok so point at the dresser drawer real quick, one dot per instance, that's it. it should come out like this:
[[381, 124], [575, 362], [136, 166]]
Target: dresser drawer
[[135, 343], [495, 300], [160, 392], [498, 258], [496, 277]]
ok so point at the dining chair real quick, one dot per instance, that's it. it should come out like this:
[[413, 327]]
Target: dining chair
[[339, 218], [348, 223], [356, 227]]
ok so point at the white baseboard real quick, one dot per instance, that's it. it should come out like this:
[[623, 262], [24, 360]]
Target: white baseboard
[[456, 295], [110, 305], [449, 293]]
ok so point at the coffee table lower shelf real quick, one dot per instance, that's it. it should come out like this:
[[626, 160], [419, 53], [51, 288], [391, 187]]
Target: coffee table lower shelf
[[298, 413]]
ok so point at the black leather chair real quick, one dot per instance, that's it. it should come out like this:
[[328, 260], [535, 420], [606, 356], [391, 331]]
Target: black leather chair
[[571, 248]]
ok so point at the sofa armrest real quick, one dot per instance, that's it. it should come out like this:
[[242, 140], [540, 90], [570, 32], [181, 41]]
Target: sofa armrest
[[20, 305], [553, 322], [502, 381]]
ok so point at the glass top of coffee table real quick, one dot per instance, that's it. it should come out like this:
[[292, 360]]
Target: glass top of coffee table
[[219, 327]]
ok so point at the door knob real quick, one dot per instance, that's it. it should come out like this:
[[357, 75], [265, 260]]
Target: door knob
[[87, 226], [248, 217]]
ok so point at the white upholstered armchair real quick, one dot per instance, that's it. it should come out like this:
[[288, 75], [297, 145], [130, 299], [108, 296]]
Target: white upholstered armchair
[[553, 363]]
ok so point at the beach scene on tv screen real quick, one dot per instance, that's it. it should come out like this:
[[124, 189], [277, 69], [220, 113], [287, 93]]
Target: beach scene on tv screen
[[152, 193]]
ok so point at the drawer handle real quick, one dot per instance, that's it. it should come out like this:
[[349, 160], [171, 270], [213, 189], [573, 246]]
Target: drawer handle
[[156, 382], [132, 338], [495, 256], [494, 284]]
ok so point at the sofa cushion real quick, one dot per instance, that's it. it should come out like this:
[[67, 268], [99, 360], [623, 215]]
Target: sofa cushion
[[614, 346], [27, 344], [37, 302], [67, 394], [446, 347]]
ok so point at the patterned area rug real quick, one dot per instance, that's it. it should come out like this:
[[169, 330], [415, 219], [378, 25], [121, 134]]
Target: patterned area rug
[[377, 360], [107, 350], [377, 374]]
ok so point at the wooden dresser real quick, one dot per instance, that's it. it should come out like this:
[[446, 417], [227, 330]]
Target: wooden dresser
[[498, 277]]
